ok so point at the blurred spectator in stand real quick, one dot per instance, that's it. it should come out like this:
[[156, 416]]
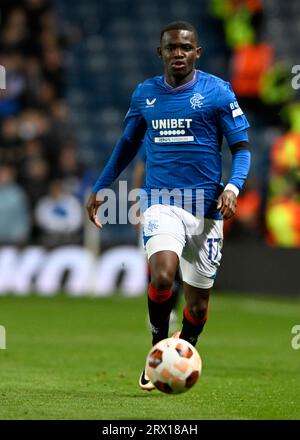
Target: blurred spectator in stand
[[251, 60], [36, 10], [37, 124], [283, 205], [52, 68], [61, 121], [275, 91], [258, 79], [10, 142], [11, 98], [15, 33], [59, 217], [283, 219], [76, 178], [34, 78], [242, 19], [247, 221], [15, 215], [6, 7], [290, 114], [249, 63], [34, 176]]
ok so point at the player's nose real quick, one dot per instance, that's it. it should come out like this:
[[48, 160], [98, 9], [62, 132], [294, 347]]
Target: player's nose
[[178, 52]]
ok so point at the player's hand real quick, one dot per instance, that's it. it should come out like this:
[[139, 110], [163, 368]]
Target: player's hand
[[227, 204], [92, 207]]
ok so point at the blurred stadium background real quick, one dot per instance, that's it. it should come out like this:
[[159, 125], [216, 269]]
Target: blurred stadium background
[[70, 70]]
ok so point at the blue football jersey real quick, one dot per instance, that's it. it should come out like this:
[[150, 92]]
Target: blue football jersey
[[185, 126], [142, 153]]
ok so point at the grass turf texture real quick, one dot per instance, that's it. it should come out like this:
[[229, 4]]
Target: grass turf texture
[[81, 358]]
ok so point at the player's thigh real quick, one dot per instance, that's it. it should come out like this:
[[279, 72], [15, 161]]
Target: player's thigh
[[164, 239], [202, 255], [162, 231]]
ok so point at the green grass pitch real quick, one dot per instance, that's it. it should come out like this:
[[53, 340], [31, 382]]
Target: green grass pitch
[[80, 358]]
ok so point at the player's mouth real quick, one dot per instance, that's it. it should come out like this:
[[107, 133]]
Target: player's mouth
[[178, 65]]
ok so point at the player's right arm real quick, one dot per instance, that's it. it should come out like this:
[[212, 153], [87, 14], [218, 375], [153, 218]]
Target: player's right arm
[[139, 171], [123, 153]]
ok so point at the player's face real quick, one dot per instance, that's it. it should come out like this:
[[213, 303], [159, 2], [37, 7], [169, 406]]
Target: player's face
[[179, 53]]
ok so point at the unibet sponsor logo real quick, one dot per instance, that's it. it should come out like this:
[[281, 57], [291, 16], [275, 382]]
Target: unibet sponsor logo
[[170, 127], [162, 124]]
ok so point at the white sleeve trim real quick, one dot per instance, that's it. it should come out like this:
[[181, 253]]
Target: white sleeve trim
[[232, 188]]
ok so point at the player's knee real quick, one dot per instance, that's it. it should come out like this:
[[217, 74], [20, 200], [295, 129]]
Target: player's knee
[[162, 279]]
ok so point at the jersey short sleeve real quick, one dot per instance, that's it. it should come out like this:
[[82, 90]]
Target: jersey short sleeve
[[231, 116]]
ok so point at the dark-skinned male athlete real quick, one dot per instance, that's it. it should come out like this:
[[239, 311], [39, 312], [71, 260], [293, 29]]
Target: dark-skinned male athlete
[[181, 117]]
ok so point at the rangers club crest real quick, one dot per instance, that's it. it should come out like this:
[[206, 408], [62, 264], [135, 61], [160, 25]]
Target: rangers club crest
[[196, 100]]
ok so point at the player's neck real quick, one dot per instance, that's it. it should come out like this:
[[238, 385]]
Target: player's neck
[[175, 81]]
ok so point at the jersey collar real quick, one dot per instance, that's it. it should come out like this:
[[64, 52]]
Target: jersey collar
[[183, 86]]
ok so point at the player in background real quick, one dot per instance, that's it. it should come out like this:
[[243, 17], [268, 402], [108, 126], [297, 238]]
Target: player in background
[[181, 117], [138, 177]]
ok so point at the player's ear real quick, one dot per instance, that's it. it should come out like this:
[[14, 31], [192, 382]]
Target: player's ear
[[158, 50], [198, 52]]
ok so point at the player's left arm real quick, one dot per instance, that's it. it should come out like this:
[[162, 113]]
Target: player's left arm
[[234, 126], [241, 159]]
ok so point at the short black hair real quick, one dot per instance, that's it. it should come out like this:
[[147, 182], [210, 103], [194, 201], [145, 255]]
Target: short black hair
[[180, 25]]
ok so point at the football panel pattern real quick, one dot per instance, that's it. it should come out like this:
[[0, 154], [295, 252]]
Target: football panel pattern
[[155, 358]]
